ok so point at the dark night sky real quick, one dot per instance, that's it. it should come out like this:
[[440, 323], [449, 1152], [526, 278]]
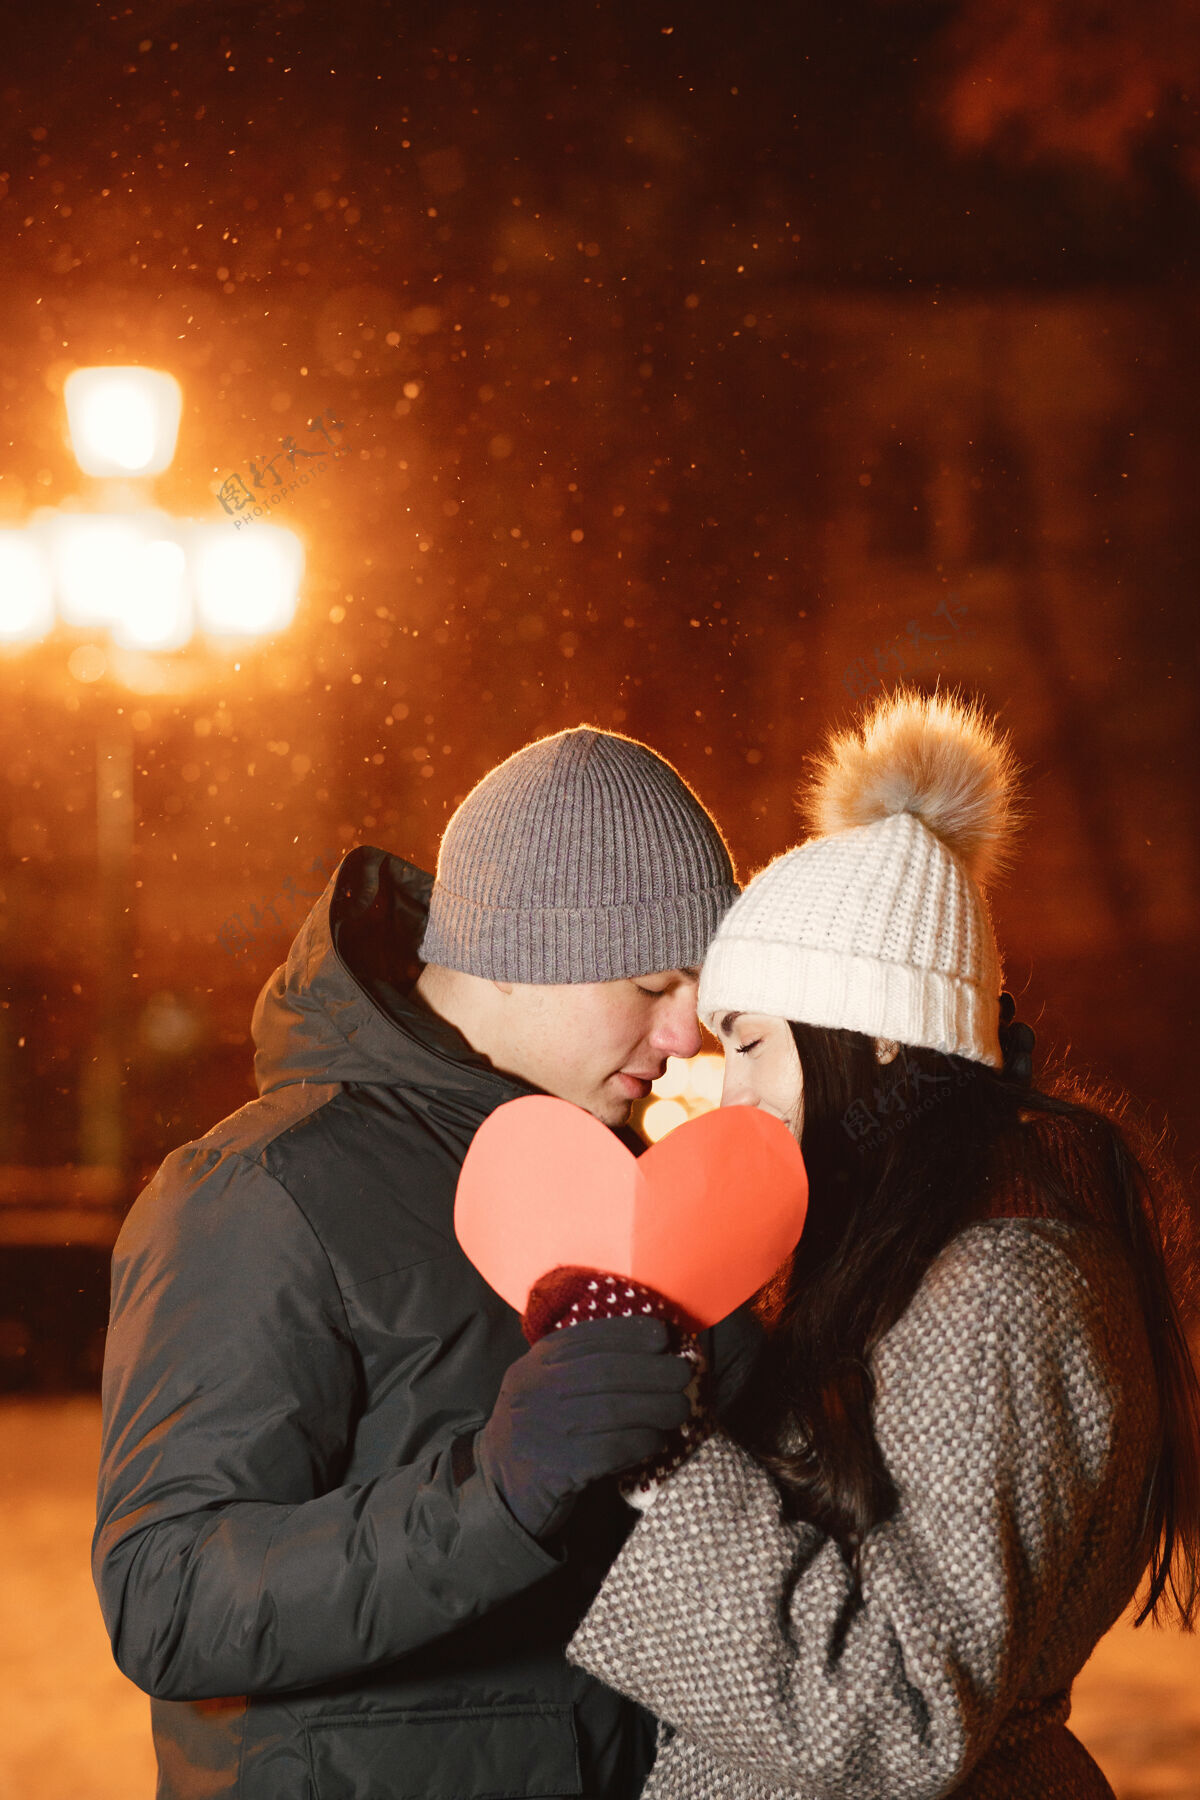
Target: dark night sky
[[810, 130]]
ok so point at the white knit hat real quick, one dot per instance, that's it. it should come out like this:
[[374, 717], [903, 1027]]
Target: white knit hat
[[879, 923]]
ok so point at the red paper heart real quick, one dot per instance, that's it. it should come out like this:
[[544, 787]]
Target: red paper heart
[[706, 1215]]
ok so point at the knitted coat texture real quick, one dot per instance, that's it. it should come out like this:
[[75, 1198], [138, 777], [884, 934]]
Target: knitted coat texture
[[1015, 1407]]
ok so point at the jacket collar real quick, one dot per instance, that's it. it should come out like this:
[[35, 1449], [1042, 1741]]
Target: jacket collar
[[339, 1008]]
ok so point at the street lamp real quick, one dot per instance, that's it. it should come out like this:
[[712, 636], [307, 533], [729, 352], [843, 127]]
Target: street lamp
[[123, 421], [114, 564], [26, 590], [157, 611], [94, 556], [246, 586]]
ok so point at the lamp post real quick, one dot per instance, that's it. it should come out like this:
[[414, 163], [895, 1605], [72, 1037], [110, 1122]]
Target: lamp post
[[103, 1138], [120, 583]]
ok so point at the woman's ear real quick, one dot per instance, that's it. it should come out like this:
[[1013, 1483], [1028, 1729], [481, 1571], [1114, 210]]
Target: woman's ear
[[886, 1050]]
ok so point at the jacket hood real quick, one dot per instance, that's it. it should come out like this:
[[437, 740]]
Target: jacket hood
[[337, 1009]]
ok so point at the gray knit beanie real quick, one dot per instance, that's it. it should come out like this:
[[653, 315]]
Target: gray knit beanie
[[584, 857]]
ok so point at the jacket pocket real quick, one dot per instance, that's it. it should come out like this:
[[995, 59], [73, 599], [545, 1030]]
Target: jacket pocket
[[468, 1753]]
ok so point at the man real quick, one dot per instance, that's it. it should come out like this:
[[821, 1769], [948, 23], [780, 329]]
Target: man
[[347, 1519]]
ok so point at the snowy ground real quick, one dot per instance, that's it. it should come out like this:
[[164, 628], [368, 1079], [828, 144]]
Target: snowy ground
[[77, 1730]]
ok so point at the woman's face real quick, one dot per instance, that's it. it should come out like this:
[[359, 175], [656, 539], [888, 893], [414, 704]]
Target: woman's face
[[762, 1066]]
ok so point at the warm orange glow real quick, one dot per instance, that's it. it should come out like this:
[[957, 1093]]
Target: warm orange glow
[[94, 556], [127, 572], [662, 1116], [684, 1092], [695, 1082], [156, 610], [151, 581], [123, 421], [246, 586], [26, 589]]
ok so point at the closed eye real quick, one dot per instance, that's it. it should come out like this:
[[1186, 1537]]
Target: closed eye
[[743, 1049]]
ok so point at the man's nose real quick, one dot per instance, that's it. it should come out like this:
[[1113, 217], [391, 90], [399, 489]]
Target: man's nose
[[677, 1033]]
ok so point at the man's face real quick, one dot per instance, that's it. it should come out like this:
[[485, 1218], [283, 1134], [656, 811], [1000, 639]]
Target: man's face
[[600, 1044]]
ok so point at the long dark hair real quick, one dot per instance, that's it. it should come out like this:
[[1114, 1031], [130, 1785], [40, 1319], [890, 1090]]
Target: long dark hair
[[901, 1156]]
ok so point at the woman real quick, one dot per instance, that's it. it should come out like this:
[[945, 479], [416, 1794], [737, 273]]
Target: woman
[[975, 1422]]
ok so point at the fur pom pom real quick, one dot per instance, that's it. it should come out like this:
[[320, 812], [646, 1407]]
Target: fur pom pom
[[935, 755]]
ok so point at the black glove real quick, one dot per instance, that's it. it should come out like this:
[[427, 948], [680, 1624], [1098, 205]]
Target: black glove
[[584, 1402], [731, 1350]]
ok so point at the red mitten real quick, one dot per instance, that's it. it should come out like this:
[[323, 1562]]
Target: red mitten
[[571, 1296]]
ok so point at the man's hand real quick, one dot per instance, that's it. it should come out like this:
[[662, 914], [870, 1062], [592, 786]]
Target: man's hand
[[585, 1402]]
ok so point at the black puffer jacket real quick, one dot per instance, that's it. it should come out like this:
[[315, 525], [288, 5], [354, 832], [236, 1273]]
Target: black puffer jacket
[[322, 1601]]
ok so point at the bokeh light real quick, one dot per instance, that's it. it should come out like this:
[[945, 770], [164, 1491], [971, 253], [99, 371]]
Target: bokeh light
[[93, 555], [246, 585], [662, 1116], [26, 588], [675, 1081], [123, 421], [688, 1088], [156, 610], [706, 1076]]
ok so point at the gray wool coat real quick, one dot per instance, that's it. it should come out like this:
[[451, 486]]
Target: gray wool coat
[[1015, 1407]]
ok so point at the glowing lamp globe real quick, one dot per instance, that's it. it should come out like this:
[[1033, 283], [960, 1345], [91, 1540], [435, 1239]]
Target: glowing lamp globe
[[156, 610], [94, 554], [123, 421], [26, 589], [247, 585]]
